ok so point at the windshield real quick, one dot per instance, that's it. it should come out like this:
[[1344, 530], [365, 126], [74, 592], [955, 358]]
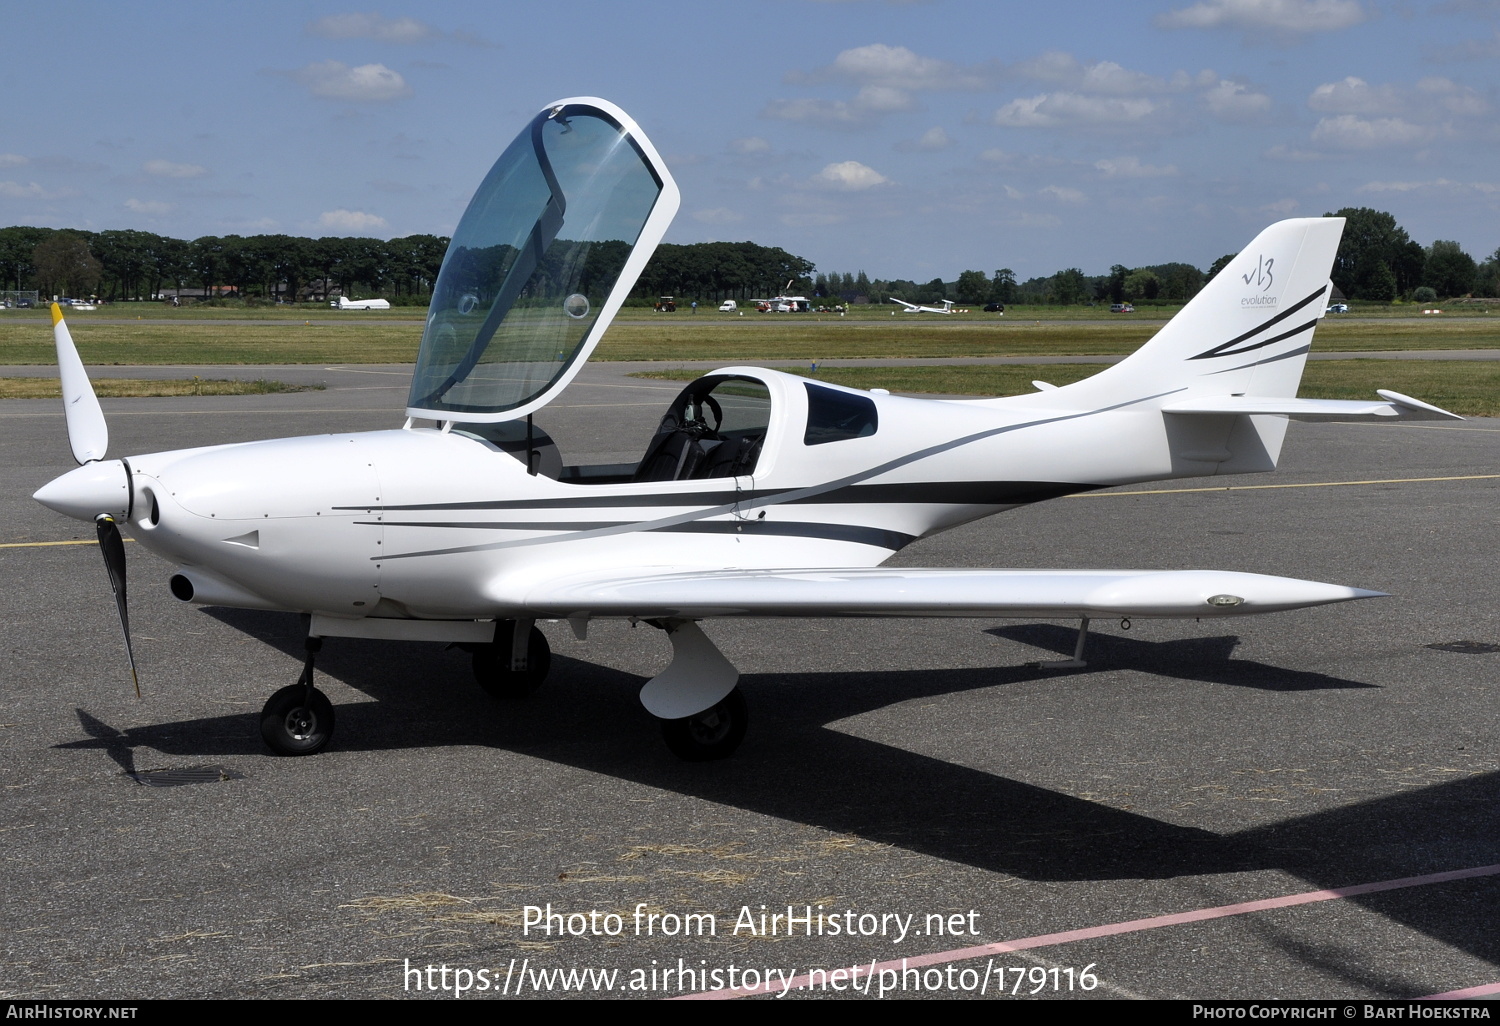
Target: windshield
[[533, 264]]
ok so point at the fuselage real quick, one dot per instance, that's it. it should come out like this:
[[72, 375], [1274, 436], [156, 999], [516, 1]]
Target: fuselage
[[440, 523]]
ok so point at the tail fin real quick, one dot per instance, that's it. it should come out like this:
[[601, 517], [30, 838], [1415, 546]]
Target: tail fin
[[1246, 333]]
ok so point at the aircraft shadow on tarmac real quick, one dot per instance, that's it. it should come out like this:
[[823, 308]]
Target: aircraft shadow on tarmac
[[794, 767], [1204, 659]]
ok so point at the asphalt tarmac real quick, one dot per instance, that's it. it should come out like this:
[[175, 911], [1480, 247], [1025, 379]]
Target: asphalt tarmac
[[893, 769]]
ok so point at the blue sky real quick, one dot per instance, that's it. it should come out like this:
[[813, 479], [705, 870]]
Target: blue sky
[[912, 139]]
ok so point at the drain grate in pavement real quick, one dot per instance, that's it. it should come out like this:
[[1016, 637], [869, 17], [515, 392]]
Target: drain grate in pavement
[[177, 776], [1468, 647]]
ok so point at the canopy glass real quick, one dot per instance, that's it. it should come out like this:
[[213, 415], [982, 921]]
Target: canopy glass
[[538, 265]]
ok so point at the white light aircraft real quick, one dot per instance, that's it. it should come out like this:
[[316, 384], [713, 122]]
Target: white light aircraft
[[945, 308], [345, 303], [761, 494]]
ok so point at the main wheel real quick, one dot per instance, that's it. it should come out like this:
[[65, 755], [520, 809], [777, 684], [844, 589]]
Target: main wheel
[[712, 734], [291, 724], [492, 665]]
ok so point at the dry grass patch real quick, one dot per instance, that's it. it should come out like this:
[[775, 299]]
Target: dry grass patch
[[117, 388]]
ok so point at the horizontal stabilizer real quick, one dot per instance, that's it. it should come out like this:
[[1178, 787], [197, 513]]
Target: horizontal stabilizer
[[1396, 405], [1027, 594]]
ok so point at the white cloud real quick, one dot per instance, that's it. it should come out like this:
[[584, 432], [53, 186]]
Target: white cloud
[[1063, 69], [717, 215], [169, 169], [1355, 96], [1282, 207], [1351, 132], [750, 145], [1452, 97], [335, 80], [350, 221], [849, 176], [867, 106], [15, 190], [1131, 167], [1285, 16], [899, 68], [1063, 194], [152, 207], [930, 141], [1232, 101], [1109, 77], [1432, 97], [12, 160], [372, 26], [1440, 186], [887, 77], [1051, 110]]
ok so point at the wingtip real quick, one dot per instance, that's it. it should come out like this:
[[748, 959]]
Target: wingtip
[[56, 315]]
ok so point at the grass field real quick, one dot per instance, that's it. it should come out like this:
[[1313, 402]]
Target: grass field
[[379, 338], [1468, 388], [116, 388]]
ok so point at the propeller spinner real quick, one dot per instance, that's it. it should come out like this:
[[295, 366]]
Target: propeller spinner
[[99, 490]]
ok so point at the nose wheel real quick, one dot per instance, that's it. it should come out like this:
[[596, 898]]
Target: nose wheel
[[298, 719]]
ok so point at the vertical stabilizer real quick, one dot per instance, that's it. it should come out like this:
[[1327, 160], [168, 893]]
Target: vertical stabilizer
[[1246, 333]]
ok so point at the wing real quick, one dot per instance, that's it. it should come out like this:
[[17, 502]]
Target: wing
[[664, 592]]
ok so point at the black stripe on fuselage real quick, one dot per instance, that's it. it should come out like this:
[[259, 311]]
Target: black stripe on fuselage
[[893, 540], [1227, 348], [963, 493]]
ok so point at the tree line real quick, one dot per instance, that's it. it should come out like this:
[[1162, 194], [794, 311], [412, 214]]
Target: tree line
[[1377, 261], [136, 265], [129, 265]]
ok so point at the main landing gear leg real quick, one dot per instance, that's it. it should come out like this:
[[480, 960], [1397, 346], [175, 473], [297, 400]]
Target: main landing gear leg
[[298, 719], [1077, 662], [516, 663], [702, 713]]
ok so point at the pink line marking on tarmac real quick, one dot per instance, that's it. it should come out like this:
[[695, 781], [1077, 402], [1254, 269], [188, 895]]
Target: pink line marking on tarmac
[[1467, 992], [1131, 926]]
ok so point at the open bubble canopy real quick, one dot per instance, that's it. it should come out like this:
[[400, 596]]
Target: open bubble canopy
[[550, 245]]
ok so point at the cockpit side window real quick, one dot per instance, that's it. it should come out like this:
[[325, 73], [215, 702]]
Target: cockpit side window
[[834, 416], [715, 428]]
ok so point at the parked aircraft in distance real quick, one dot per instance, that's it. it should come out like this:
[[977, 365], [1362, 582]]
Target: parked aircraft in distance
[[946, 308], [345, 303]]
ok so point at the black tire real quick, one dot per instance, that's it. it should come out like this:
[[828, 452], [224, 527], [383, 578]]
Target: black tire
[[492, 665], [290, 724], [712, 734]]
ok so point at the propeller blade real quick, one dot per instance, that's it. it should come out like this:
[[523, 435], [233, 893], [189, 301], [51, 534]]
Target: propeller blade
[[113, 548], [87, 432]]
